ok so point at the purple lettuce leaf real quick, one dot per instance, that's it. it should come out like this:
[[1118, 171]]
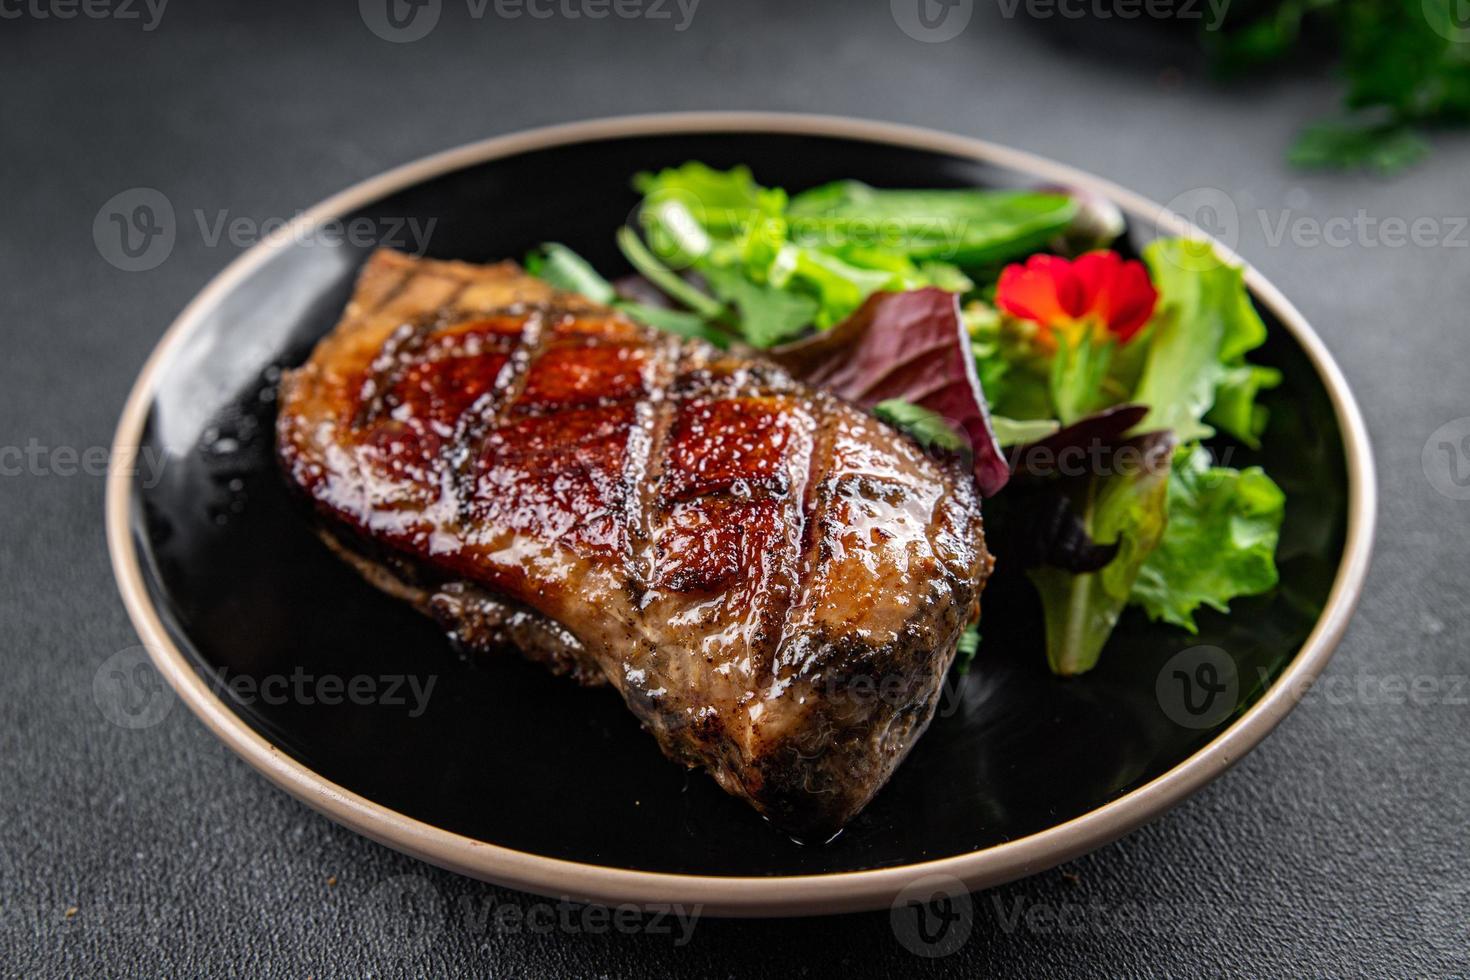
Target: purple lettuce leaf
[[910, 346]]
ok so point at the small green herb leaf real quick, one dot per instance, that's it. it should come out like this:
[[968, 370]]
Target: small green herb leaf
[[567, 270], [965, 649], [928, 428]]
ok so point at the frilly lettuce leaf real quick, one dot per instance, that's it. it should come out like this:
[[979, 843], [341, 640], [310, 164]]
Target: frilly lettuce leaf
[[1201, 334], [1223, 528]]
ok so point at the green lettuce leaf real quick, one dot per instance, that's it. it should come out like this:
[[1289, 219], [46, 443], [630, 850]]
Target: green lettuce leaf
[[1235, 410], [1126, 507], [1223, 528], [1205, 326]]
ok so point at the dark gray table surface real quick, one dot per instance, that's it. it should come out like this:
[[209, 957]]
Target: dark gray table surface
[[1339, 847]]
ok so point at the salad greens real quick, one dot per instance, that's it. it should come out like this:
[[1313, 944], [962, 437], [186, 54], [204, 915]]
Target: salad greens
[[773, 265], [1231, 516], [567, 270], [1207, 327], [1104, 375], [1202, 535], [1130, 507]]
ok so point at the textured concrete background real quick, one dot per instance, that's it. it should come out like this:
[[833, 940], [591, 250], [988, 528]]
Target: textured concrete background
[[1337, 848]]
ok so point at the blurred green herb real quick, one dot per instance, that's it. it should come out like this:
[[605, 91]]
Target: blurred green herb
[[1406, 64]]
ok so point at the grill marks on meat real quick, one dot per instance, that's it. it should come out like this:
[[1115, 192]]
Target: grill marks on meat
[[772, 580]]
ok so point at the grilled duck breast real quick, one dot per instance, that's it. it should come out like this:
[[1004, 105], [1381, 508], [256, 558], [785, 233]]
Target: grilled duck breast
[[772, 580]]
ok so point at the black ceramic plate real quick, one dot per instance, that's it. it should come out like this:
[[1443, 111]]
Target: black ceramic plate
[[513, 775]]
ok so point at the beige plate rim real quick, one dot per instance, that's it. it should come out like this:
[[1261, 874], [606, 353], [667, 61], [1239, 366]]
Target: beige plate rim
[[743, 896]]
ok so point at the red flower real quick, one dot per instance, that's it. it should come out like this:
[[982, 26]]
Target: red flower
[[1099, 291]]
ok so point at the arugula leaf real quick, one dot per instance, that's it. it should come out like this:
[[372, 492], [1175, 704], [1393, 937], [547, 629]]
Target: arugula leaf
[[1223, 529], [663, 277], [1203, 329], [1127, 507], [567, 270], [965, 649], [828, 249], [768, 315], [928, 428], [968, 227], [674, 321], [724, 202]]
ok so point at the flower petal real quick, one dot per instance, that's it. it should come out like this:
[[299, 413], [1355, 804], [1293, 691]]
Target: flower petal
[[1131, 299], [1029, 294]]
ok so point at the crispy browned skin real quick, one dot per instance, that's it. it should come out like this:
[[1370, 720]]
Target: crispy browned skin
[[772, 580]]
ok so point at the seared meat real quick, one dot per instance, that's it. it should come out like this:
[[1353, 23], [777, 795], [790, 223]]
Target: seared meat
[[772, 580]]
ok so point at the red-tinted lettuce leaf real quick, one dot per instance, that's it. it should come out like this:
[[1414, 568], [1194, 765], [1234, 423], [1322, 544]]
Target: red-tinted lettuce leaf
[[1040, 523], [910, 346], [1100, 431], [1048, 531]]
